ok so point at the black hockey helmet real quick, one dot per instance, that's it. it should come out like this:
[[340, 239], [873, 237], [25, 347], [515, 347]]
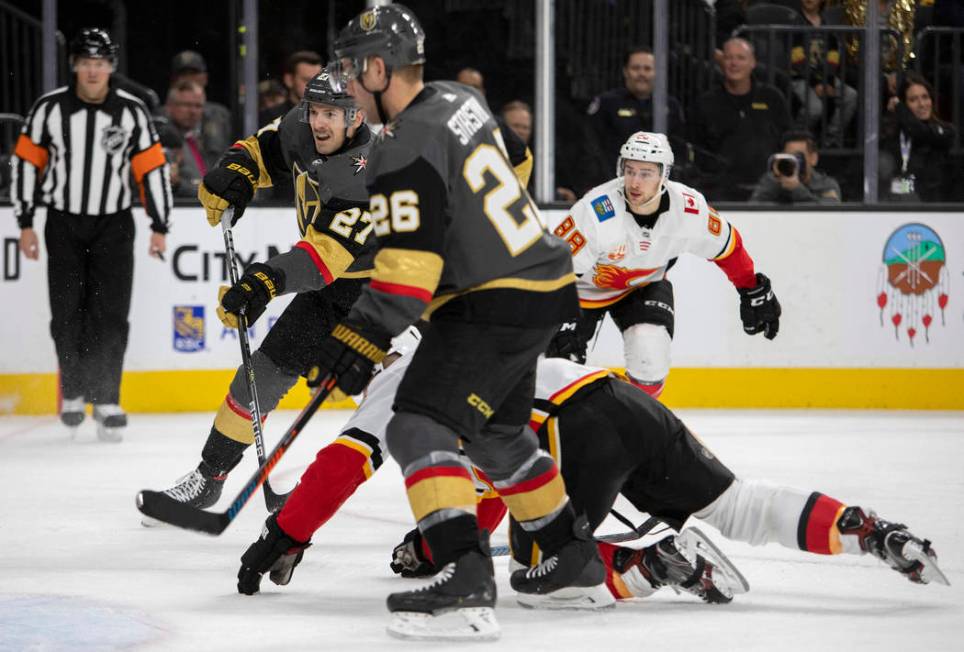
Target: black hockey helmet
[[321, 90], [93, 43], [390, 31]]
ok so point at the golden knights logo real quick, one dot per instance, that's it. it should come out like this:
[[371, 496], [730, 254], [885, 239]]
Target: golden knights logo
[[307, 199], [188, 329], [368, 20], [360, 163]]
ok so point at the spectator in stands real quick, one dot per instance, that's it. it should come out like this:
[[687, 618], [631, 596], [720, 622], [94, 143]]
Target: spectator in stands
[[740, 122], [270, 94], [300, 68], [517, 116], [793, 177], [915, 145], [815, 59], [216, 131], [617, 114], [471, 77], [185, 111], [173, 143]]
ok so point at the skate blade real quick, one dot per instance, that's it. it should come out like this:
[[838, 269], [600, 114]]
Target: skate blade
[[726, 577], [570, 597], [469, 624], [150, 522], [110, 435], [931, 572]]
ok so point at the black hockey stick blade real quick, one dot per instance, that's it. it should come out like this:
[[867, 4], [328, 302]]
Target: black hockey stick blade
[[159, 505]]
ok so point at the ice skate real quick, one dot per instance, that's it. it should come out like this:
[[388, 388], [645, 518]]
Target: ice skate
[[573, 578], [892, 543], [200, 488], [457, 606], [685, 562], [72, 413], [111, 422]]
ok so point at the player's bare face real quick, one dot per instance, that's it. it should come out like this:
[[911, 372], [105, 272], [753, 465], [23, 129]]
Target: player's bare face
[[93, 76], [327, 127], [639, 72], [919, 102], [641, 182]]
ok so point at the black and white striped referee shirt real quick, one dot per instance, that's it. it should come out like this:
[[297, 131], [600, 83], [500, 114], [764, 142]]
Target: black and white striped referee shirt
[[78, 158]]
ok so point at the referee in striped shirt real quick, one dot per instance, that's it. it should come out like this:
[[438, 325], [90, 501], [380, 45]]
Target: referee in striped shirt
[[78, 150]]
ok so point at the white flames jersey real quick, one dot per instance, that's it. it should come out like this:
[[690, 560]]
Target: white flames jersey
[[556, 381], [613, 255]]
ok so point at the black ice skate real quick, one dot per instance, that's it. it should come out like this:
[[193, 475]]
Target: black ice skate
[[892, 543], [573, 578], [111, 422], [685, 562], [201, 488], [72, 413], [457, 606]]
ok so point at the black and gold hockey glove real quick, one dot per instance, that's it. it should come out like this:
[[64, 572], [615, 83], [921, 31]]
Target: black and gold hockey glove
[[350, 352], [274, 553], [250, 295], [759, 309], [229, 184]]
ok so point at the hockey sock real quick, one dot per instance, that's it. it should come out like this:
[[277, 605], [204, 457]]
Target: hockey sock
[[538, 501], [234, 421], [326, 484], [442, 496], [220, 453], [817, 530], [653, 389]]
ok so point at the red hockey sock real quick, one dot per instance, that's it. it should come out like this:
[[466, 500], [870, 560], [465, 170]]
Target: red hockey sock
[[653, 389], [817, 529], [337, 471]]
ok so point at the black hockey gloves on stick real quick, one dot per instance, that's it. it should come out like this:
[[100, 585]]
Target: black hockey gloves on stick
[[350, 352], [250, 295], [759, 309], [231, 184]]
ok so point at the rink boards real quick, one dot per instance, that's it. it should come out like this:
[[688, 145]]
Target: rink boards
[[873, 316]]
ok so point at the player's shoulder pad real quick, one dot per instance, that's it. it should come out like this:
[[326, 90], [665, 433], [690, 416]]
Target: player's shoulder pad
[[688, 201], [604, 200]]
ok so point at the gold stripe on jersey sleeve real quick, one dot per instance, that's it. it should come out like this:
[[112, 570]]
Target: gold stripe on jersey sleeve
[[252, 146], [334, 256], [362, 273], [505, 284], [411, 268]]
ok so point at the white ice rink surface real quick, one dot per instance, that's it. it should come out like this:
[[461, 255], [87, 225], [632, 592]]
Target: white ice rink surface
[[79, 572]]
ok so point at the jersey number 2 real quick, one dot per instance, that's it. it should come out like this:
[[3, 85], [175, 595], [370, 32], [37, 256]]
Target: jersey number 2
[[518, 231]]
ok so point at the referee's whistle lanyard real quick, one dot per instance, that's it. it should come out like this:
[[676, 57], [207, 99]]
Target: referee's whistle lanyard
[[905, 146]]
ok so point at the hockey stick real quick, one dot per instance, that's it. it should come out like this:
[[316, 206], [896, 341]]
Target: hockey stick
[[165, 508], [637, 532], [272, 500]]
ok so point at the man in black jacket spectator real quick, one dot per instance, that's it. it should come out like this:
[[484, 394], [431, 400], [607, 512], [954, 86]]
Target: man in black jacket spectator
[[620, 112], [300, 68], [741, 122]]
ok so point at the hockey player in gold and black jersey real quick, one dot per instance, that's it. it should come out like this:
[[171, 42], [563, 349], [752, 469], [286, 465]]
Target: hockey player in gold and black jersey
[[460, 240], [323, 144]]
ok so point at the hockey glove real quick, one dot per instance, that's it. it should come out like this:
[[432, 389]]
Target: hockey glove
[[274, 553], [408, 558], [350, 352], [759, 309], [229, 184], [250, 295], [568, 344]]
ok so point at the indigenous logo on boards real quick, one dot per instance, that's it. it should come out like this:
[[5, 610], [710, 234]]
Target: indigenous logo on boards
[[912, 284], [188, 329]]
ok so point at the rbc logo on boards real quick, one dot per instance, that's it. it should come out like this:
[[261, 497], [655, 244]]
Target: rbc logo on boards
[[188, 329]]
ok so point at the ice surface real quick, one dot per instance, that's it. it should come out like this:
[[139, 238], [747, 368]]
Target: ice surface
[[79, 572]]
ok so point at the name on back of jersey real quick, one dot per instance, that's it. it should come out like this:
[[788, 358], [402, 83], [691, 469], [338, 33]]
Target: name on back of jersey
[[469, 118]]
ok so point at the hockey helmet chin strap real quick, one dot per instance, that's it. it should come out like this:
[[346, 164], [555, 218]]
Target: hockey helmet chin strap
[[382, 115]]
